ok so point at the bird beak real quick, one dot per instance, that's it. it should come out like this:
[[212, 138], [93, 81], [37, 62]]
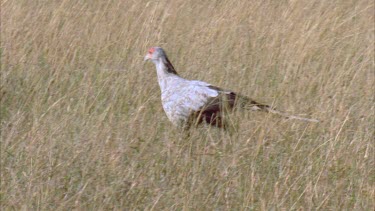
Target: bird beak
[[147, 57]]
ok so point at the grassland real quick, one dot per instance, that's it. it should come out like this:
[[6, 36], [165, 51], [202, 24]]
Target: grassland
[[82, 125]]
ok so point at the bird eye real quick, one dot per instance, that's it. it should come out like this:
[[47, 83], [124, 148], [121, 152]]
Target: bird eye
[[151, 50]]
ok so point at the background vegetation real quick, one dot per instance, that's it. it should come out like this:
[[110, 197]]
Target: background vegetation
[[82, 124]]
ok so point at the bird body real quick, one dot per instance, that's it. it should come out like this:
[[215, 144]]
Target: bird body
[[187, 101]]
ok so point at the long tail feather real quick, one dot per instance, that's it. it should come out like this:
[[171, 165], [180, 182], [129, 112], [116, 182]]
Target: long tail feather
[[288, 116], [253, 105]]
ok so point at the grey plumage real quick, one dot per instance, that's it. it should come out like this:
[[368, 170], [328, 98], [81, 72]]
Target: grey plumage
[[190, 101]]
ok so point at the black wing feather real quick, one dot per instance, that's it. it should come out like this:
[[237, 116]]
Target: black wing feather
[[211, 113]]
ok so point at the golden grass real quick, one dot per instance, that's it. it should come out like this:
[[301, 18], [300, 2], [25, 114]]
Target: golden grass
[[82, 125]]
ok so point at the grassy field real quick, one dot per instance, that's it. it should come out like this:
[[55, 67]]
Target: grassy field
[[82, 125]]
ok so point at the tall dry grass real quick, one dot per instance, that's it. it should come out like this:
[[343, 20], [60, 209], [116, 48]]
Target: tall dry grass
[[82, 125]]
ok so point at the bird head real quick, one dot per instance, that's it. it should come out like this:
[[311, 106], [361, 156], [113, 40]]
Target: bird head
[[158, 56], [155, 53]]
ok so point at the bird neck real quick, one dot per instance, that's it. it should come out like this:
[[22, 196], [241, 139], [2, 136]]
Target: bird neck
[[165, 70], [165, 65]]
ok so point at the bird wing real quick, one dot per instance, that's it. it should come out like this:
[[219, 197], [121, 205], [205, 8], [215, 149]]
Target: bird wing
[[186, 97], [233, 99]]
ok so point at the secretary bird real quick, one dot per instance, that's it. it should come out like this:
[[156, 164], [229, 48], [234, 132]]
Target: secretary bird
[[188, 102]]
